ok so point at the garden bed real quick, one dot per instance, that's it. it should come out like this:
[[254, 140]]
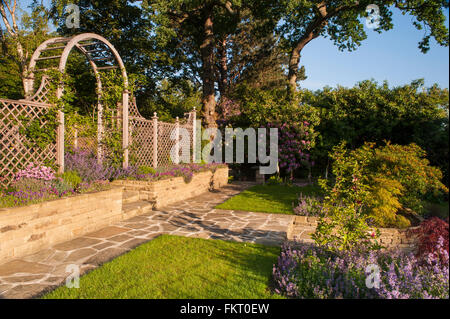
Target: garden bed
[[303, 226], [29, 229], [167, 191]]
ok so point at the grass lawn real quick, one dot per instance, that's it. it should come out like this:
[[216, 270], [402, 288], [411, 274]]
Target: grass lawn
[[275, 199], [172, 267]]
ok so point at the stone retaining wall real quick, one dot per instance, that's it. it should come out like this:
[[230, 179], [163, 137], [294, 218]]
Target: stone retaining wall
[[29, 229], [303, 226], [167, 191]]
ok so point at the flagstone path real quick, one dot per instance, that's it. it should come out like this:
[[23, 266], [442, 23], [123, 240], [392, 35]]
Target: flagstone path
[[30, 276]]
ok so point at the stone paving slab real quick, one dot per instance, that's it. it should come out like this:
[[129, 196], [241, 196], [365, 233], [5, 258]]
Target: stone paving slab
[[30, 276]]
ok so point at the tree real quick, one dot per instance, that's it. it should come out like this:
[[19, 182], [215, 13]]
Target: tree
[[341, 21], [24, 41], [194, 21], [375, 112]]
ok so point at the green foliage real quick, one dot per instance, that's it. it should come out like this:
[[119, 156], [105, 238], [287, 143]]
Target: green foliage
[[72, 179], [260, 107], [274, 180], [371, 112], [41, 131], [62, 186], [144, 170], [343, 224], [392, 179]]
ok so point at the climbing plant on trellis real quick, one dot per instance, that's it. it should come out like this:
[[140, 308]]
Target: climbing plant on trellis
[[54, 132]]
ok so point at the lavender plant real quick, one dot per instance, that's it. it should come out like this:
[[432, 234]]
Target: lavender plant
[[314, 272]]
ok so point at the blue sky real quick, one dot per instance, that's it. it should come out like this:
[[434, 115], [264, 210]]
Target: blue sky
[[391, 56]]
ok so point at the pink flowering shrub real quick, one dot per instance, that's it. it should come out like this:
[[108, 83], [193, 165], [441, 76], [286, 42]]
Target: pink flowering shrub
[[36, 171], [294, 143]]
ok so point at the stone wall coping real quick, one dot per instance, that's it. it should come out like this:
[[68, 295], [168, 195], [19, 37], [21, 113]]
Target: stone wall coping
[[59, 201]]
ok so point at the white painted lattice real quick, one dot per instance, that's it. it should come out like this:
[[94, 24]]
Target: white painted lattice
[[16, 152], [144, 139]]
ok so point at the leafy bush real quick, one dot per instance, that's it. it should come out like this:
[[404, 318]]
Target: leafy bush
[[429, 233], [36, 171], [72, 179], [146, 170], [314, 272], [395, 179], [62, 187], [342, 223], [30, 184], [309, 206], [86, 165], [274, 180], [372, 111]]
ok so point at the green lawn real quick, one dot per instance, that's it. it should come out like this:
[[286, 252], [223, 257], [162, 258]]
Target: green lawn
[[275, 199], [173, 267]]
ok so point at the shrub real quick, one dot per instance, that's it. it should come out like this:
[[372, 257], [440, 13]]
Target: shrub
[[429, 233], [72, 179], [146, 170], [396, 179], [35, 171], [86, 165], [309, 206], [274, 180], [30, 184], [342, 224], [313, 272]]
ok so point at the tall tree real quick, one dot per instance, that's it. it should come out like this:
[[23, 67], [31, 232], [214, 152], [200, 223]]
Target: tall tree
[[343, 22], [23, 32], [194, 21]]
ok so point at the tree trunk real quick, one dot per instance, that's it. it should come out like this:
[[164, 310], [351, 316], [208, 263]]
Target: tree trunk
[[208, 78], [223, 68], [312, 32], [13, 31], [294, 62]]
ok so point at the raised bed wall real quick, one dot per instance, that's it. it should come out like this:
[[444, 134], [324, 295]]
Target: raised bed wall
[[29, 229], [167, 191]]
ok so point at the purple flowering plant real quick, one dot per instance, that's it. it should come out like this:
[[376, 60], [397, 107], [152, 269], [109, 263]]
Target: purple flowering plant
[[294, 143], [314, 272]]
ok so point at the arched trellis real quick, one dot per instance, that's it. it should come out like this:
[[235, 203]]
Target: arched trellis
[[102, 56]]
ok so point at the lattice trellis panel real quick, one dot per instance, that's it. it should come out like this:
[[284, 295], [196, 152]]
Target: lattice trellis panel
[[42, 93], [142, 138], [81, 138], [15, 150], [141, 141], [165, 144]]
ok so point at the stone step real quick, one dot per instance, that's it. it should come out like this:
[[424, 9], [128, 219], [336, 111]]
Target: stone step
[[130, 196], [137, 208]]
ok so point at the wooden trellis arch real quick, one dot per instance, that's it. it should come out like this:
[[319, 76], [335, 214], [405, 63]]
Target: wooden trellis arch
[[151, 139], [102, 56]]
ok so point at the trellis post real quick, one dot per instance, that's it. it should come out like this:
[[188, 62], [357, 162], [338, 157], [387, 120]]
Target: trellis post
[[194, 132], [155, 140], [75, 138], [99, 130], [125, 131], [177, 141], [60, 133]]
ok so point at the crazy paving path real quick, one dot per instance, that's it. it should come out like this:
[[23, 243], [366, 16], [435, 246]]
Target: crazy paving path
[[30, 276]]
